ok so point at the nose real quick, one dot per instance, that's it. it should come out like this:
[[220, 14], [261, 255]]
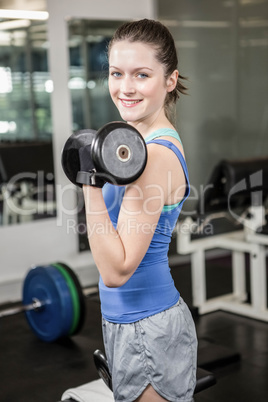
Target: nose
[[127, 85]]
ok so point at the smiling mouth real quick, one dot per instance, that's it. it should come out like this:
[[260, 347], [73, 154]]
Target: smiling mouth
[[129, 103]]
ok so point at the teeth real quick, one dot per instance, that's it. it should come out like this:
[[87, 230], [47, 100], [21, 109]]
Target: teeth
[[130, 102]]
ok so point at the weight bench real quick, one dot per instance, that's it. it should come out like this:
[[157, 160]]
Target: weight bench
[[101, 391], [237, 191]]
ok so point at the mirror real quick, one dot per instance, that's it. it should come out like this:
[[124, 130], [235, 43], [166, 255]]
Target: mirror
[[91, 103], [26, 154]]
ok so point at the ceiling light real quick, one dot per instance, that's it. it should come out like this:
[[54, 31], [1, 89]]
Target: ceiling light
[[15, 24], [24, 14]]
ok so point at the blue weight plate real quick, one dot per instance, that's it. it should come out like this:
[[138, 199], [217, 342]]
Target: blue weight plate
[[53, 320]]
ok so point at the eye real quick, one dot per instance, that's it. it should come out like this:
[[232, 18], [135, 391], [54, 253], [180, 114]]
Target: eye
[[142, 75], [116, 74]]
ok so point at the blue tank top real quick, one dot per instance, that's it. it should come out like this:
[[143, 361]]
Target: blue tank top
[[151, 288]]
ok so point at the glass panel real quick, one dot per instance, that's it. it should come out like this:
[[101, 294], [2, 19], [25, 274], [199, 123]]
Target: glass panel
[[26, 160], [91, 103], [253, 77], [223, 49]]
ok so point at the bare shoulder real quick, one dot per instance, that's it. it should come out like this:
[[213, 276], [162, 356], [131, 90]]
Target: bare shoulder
[[165, 167], [162, 154]]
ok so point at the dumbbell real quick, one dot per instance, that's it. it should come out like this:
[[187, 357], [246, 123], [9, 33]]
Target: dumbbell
[[117, 152], [53, 301]]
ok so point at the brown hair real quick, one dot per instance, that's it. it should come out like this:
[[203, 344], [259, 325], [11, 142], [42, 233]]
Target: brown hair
[[154, 33]]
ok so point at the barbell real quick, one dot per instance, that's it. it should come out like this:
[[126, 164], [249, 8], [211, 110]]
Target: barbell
[[53, 301]]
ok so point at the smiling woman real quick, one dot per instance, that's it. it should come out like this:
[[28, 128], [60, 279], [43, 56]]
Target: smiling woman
[[162, 44], [151, 337], [137, 81]]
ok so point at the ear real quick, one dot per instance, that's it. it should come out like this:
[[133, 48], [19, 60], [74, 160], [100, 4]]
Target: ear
[[172, 81]]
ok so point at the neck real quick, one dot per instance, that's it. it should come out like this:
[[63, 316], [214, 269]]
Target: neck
[[146, 127]]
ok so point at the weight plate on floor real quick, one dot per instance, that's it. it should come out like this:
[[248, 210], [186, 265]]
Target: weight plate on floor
[[81, 298], [54, 319], [70, 154], [74, 295], [119, 152]]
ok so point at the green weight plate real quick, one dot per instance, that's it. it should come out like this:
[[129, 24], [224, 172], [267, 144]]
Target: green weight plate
[[74, 295], [82, 304]]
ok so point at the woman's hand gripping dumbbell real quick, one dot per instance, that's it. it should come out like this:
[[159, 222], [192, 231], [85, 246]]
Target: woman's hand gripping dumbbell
[[116, 153]]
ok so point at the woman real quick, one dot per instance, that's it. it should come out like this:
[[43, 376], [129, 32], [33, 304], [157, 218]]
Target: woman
[[148, 331]]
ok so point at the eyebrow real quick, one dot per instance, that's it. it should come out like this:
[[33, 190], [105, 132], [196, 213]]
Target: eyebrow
[[135, 69]]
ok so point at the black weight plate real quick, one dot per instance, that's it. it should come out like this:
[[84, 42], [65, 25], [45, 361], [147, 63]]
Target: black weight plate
[[119, 152], [70, 154], [102, 368], [53, 320], [80, 295]]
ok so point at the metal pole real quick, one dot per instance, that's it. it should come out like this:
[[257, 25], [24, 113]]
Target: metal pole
[[85, 55], [29, 65], [35, 305]]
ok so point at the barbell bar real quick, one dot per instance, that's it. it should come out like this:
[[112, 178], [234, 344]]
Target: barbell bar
[[53, 302], [35, 305]]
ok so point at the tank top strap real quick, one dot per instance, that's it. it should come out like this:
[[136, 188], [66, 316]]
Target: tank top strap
[[163, 132]]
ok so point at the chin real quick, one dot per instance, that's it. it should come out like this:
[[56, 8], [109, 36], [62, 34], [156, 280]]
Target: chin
[[130, 116], [127, 117]]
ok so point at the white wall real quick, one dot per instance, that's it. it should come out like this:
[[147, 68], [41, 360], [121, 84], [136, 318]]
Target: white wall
[[46, 241]]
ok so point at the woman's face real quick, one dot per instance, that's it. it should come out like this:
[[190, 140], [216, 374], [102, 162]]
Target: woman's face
[[136, 82]]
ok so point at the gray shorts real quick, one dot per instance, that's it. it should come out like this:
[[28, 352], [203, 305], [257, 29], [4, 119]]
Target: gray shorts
[[160, 350]]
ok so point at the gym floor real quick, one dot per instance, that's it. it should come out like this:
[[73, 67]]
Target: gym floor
[[34, 371]]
